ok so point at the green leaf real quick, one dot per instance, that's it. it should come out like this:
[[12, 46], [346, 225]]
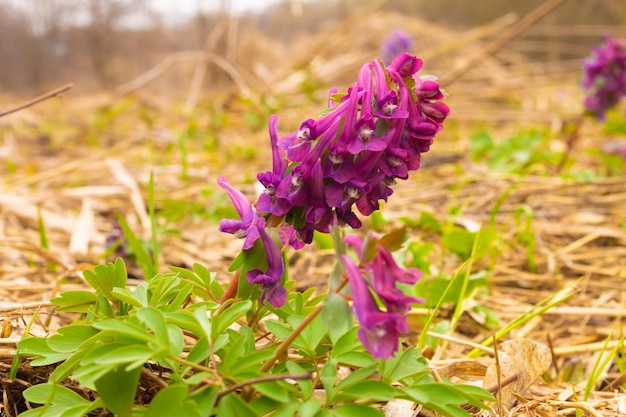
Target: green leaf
[[278, 328], [201, 316], [275, 390], [347, 343], [286, 410], [409, 364], [170, 401], [323, 240], [460, 242], [69, 338], [306, 385], [233, 405], [117, 389], [337, 316], [134, 298], [352, 410], [394, 239], [250, 363], [311, 335], [144, 259], [37, 348], [103, 307], [181, 297], [200, 351], [128, 329], [205, 280], [328, 377], [221, 320], [205, 398], [310, 408], [438, 397], [356, 359], [481, 144], [155, 321], [163, 289], [367, 390], [252, 258], [56, 394], [106, 277], [154, 244], [75, 301], [176, 340], [131, 355], [354, 377], [426, 221]]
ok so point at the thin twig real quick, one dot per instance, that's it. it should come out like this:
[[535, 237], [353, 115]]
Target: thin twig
[[235, 387], [39, 99], [506, 381], [25, 306], [282, 348], [498, 374], [458, 341], [184, 56], [579, 405], [513, 32]]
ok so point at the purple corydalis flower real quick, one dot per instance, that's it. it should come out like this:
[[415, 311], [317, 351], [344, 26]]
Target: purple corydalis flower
[[378, 278], [395, 43], [246, 227], [273, 292], [604, 77], [379, 330]]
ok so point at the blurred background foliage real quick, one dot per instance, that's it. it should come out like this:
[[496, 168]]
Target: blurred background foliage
[[101, 44]]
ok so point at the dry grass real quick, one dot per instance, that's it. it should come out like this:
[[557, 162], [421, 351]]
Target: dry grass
[[75, 188]]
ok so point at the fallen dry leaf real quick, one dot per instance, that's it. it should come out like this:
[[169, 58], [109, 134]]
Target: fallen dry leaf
[[522, 357]]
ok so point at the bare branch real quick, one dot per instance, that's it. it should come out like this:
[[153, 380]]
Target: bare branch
[[39, 99], [184, 56]]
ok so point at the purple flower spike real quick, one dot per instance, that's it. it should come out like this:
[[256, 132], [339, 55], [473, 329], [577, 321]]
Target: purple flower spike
[[368, 138], [604, 77], [273, 291], [380, 331], [247, 226]]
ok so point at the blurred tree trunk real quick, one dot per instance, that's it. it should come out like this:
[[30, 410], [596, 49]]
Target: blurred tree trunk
[[106, 17]]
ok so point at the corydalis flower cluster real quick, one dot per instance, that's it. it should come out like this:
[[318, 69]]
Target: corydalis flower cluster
[[380, 329], [348, 158], [353, 154], [604, 77]]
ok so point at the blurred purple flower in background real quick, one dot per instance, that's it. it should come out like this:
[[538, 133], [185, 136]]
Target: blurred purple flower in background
[[397, 42], [604, 77]]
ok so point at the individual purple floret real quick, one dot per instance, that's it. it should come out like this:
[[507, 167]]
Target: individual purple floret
[[245, 228], [273, 291], [395, 43], [604, 77]]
